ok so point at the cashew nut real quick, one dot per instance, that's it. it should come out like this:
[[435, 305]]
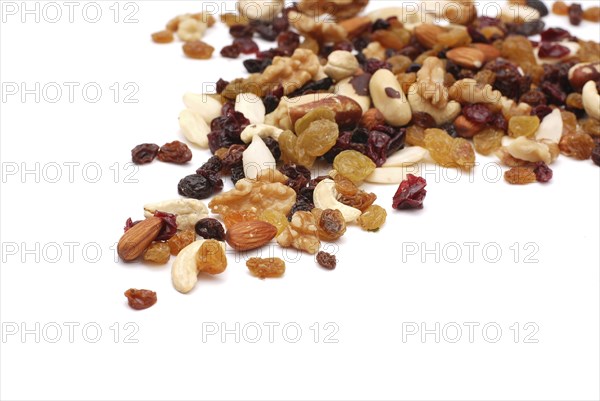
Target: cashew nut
[[256, 158], [184, 272], [194, 128], [325, 197], [341, 64], [591, 100], [406, 157], [392, 175], [551, 127], [389, 98], [251, 106], [345, 88], [261, 130], [206, 106], [188, 211]]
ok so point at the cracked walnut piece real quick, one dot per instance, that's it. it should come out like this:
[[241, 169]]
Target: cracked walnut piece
[[301, 233], [339, 9], [290, 72], [469, 91], [267, 192], [321, 31]]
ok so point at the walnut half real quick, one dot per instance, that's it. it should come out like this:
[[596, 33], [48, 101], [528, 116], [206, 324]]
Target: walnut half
[[321, 31]]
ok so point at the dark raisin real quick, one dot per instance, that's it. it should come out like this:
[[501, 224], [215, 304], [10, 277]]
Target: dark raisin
[[221, 85], [361, 43], [267, 32], [414, 67], [528, 28], [273, 146], [552, 50], [543, 173], [326, 260], [533, 98], [237, 173], [241, 31], [175, 152], [555, 35], [344, 45], [596, 155], [233, 157], [200, 186], [539, 6], [477, 113], [144, 153], [509, 80], [210, 229], [231, 51], [169, 229], [271, 53], [554, 92], [226, 130], [450, 128], [288, 42], [541, 111], [298, 176], [302, 205], [410, 194], [575, 14], [500, 122], [255, 65], [411, 51], [423, 120], [212, 164], [373, 65], [246, 45], [140, 299], [312, 87], [476, 35], [271, 102], [380, 24]]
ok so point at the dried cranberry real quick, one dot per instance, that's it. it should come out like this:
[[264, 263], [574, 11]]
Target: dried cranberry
[[541, 111], [287, 42], [377, 146], [208, 228], [280, 24], [129, 223], [596, 155], [228, 109], [221, 85], [552, 50], [298, 176], [478, 113], [169, 229], [543, 173], [267, 32], [373, 65], [528, 28], [554, 92], [241, 31], [410, 194], [575, 14], [255, 65], [313, 86], [231, 51], [533, 98], [273, 146], [200, 186], [246, 45], [144, 153], [555, 35]]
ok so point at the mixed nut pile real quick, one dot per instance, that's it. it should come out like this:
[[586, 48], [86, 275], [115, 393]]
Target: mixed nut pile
[[373, 96]]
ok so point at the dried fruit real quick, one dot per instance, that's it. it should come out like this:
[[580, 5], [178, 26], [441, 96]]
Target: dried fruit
[[163, 37], [575, 14], [208, 228], [233, 217], [560, 8], [318, 138], [275, 218], [326, 260], [462, 153], [520, 176], [373, 218], [137, 238], [478, 113], [592, 14], [198, 49], [266, 268], [543, 173], [523, 126], [410, 193], [180, 240], [488, 141], [320, 113], [353, 165], [200, 186], [249, 235], [331, 224], [577, 145], [140, 299], [298, 176], [596, 155], [591, 126], [415, 135], [211, 257], [144, 153], [175, 152], [157, 252], [170, 225]]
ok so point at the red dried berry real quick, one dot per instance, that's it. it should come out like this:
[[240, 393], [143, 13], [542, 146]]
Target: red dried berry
[[231, 51], [169, 228], [246, 45], [543, 173], [555, 35], [478, 113], [410, 194], [552, 50]]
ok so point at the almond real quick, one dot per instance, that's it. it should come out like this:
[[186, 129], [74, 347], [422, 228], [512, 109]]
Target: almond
[[355, 26], [250, 235], [468, 57], [135, 240], [489, 51], [427, 34], [347, 111]]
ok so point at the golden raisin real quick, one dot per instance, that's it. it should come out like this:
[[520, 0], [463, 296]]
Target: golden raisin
[[520, 176], [318, 138], [415, 136], [320, 113], [234, 217], [266, 268], [439, 144], [591, 126], [578, 145], [180, 240], [344, 186], [211, 257], [361, 200], [373, 218], [157, 252], [455, 37], [331, 224], [198, 49], [592, 14], [560, 8], [575, 101], [140, 299], [462, 153], [523, 126], [569, 122], [399, 63], [162, 37], [353, 165], [488, 141], [275, 218]]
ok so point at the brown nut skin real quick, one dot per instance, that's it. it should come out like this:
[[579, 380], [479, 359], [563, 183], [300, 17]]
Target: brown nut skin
[[426, 34], [135, 240], [371, 119], [249, 235], [489, 51], [580, 74], [347, 111]]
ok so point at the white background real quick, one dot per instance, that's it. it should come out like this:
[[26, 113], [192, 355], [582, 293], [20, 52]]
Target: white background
[[378, 288]]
